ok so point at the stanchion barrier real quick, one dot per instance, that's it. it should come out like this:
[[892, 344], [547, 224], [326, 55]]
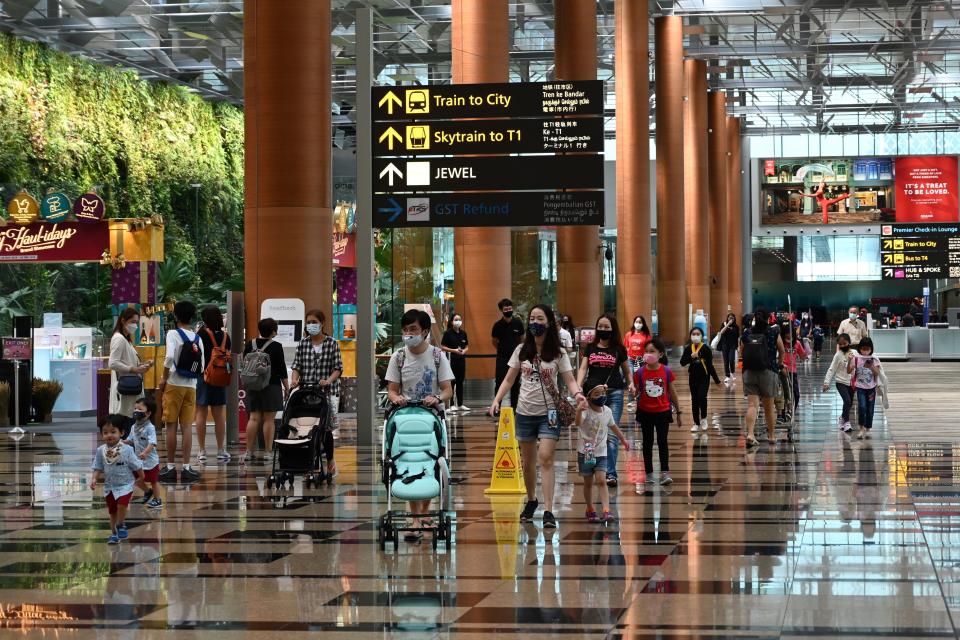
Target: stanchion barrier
[[507, 475]]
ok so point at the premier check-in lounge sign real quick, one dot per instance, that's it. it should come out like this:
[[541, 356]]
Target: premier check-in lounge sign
[[524, 154]]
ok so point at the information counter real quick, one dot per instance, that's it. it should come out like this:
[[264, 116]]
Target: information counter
[[945, 344], [891, 344]]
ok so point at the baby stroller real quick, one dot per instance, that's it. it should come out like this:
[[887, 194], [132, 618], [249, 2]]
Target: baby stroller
[[299, 441], [414, 467]]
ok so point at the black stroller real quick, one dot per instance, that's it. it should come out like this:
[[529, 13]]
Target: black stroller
[[299, 441]]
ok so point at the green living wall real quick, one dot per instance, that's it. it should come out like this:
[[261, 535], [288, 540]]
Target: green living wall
[[72, 124]]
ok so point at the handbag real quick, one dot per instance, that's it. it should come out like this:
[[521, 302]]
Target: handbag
[[715, 342], [566, 414], [130, 384]]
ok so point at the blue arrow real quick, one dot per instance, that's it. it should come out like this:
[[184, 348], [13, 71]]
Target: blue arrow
[[396, 209]]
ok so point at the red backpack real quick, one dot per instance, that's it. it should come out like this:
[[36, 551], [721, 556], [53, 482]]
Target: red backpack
[[220, 365]]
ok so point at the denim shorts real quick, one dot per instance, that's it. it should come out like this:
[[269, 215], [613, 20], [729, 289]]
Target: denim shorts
[[529, 428], [589, 471]]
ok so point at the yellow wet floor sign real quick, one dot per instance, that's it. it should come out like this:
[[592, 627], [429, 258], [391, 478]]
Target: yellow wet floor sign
[[507, 474]]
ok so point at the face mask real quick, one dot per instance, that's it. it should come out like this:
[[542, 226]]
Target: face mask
[[852, 316], [458, 323], [598, 401], [132, 328], [651, 358], [536, 329], [414, 341], [696, 338], [845, 348], [313, 328], [508, 314], [638, 326], [139, 416], [604, 334]]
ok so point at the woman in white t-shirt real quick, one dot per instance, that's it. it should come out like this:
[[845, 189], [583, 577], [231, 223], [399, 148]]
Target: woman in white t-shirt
[[541, 364]]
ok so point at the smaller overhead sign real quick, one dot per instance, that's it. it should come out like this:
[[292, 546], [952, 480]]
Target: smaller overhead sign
[[23, 208], [55, 207], [920, 251], [89, 207]]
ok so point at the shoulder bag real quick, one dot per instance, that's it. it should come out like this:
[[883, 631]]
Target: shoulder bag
[[130, 384], [566, 414]]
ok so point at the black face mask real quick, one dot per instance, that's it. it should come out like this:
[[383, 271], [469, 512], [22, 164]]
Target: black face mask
[[845, 348], [604, 334], [508, 314]]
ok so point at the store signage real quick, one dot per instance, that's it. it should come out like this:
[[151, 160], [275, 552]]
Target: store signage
[[55, 207], [507, 100], [532, 135], [501, 173], [927, 189], [920, 251], [89, 207], [23, 208], [58, 242], [15, 348], [525, 208], [344, 250]]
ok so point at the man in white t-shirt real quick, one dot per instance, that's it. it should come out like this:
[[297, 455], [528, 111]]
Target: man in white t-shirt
[[854, 327], [178, 388], [419, 372]]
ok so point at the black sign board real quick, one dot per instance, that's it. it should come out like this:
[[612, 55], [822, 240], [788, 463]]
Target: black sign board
[[492, 209], [507, 100], [502, 136], [493, 173], [920, 251]]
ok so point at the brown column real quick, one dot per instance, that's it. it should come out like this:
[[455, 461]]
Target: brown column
[[578, 253], [718, 172], [734, 219], [287, 184], [480, 49], [632, 71], [696, 190], [671, 278]]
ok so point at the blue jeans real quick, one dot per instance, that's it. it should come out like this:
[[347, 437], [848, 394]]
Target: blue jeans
[[615, 402], [866, 401]]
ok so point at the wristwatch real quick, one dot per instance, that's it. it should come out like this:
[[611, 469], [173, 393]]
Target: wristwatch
[[439, 399]]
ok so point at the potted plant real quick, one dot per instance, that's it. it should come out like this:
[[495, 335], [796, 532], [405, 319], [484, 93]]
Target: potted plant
[[45, 394], [4, 404]]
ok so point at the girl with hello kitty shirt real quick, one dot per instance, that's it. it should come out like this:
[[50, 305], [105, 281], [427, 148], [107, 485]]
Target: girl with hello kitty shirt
[[655, 394]]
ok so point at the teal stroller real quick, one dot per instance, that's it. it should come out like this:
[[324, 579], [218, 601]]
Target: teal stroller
[[414, 467]]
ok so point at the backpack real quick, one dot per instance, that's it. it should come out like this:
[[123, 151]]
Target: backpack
[[220, 366], [256, 367], [189, 363], [755, 352]]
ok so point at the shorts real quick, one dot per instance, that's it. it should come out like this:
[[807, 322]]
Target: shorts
[[210, 396], [529, 428], [760, 383], [586, 471], [179, 405], [152, 475], [267, 400], [113, 501]]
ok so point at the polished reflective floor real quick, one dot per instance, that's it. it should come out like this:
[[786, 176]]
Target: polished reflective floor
[[825, 537]]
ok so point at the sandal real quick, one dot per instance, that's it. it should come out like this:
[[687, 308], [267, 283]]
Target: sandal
[[752, 442]]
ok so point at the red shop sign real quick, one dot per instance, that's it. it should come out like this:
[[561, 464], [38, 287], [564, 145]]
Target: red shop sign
[[927, 189], [59, 242], [344, 250]]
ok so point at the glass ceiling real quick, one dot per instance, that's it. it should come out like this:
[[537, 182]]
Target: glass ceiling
[[788, 67]]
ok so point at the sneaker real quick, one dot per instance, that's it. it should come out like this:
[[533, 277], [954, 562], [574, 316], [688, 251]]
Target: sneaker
[[726, 380], [592, 516], [694, 428], [122, 532], [607, 517], [113, 539], [612, 481], [549, 520], [862, 433], [464, 408], [168, 475], [528, 510], [847, 428], [703, 424], [223, 456], [156, 503], [246, 457], [189, 475], [840, 424], [665, 479], [147, 496], [453, 409], [202, 456]]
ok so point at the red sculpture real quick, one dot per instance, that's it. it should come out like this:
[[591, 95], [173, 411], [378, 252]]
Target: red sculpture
[[823, 201]]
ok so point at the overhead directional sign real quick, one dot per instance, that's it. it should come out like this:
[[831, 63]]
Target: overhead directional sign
[[501, 173], [522, 208], [508, 100], [501, 136], [920, 251]]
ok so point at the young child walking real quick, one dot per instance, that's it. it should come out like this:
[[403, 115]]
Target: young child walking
[[118, 466], [838, 372], [817, 340], [866, 373], [655, 393], [594, 425], [143, 439], [699, 358]]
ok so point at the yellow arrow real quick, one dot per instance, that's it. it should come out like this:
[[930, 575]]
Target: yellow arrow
[[390, 135], [390, 99]]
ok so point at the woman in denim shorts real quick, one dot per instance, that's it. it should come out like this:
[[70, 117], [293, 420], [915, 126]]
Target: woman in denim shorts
[[541, 364]]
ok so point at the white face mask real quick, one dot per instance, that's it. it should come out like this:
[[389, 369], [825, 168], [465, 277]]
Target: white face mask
[[853, 316], [638, 326], [696, 338], [132, 328], [313, 328], [458, 323], [414, 341]]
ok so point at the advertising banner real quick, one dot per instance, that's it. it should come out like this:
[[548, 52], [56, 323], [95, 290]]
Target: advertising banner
[[344, 250], [58, 242], [927, 189]]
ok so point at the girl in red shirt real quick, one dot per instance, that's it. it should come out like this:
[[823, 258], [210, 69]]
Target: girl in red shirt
[[655, 393]]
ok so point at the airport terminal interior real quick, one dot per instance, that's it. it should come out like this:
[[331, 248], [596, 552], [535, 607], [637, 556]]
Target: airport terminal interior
[[479, 318]]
